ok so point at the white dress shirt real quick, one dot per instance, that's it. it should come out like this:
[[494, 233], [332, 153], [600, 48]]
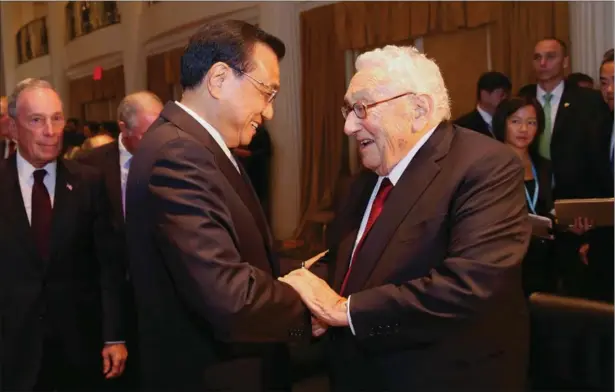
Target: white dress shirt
[[125, 159], [556, 97], [213, 132], [486, 117], [25, 173], [394, 177]]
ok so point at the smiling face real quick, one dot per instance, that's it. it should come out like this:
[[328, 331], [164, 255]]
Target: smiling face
[[521, 128], [245, 103], [39, 125], [606, 82], [389, 129]]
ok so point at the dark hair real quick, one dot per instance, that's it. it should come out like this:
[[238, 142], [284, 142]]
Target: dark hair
[[507, 108], [74, 121], [230, 42], [559, 41], [577, 77], [607, 58], [491, 81], [94, 127]]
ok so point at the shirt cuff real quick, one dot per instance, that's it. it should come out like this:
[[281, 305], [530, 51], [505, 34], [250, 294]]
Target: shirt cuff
[[118, 342], [348, 316]]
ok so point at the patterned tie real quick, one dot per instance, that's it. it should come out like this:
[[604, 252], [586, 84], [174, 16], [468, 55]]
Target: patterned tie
[[41, 214], [383, 192], [544, 144], [124, 174]]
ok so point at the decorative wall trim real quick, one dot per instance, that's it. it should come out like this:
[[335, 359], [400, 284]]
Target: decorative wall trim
[[86, 68]]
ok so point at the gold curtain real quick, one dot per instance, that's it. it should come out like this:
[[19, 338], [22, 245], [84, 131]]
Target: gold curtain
[[328, 31], [325, 152]]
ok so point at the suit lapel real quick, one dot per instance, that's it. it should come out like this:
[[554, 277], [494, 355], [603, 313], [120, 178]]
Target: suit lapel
[[350, 221], [187, 123], [561, 117], [65, 207], [411, 186], [15, 210], [114, 182]]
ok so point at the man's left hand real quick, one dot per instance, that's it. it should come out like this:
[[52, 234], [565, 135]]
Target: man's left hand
[[323, 302], [114, 359]]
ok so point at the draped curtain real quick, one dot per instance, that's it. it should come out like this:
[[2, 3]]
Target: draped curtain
[[328, 31], [86, 90]]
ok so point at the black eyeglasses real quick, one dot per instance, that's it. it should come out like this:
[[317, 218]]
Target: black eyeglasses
[[269, 92], [360, 108]]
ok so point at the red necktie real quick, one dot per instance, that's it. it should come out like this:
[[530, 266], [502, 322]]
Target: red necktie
[[381, 196], [41, 214]]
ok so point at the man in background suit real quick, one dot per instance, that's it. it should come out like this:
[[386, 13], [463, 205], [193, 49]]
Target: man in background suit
[[201, 254], [427, 248], [135, 114], [7, 144], [570, 114], [59, 269], [491, 89]]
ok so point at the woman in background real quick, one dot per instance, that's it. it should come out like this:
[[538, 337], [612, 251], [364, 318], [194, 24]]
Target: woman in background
[[518, 122]]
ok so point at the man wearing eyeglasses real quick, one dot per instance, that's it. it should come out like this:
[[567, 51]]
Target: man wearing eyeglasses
[[425, 281], [210, 310]]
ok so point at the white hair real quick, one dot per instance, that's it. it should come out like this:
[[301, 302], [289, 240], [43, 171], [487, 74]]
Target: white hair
[[131, 104], [21, 87], [413, 72]]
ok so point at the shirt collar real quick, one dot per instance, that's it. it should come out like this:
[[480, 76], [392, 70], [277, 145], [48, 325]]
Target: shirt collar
[[212, 131], [25, 170], [401, 166], [486, 116], [556, 94], [125, 155]]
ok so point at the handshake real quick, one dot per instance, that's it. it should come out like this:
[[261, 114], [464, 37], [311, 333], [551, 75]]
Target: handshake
[[327, 307]]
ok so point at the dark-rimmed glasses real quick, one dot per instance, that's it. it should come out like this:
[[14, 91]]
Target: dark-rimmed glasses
[[360, 108], [269, 92]]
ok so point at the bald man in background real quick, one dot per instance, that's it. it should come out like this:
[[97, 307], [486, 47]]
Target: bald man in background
[[135, 113]]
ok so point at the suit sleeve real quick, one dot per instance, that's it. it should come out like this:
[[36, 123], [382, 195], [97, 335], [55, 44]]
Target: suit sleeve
[[110, 251], [198, 241], [489, 235]]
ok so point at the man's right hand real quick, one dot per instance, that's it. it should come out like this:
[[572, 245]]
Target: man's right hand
[[318, 327]]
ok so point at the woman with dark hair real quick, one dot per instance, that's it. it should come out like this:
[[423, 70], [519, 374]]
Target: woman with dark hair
[[518, 122]]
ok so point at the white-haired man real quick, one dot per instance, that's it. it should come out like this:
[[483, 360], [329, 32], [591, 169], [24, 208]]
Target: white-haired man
[[430, 296], [60, 297]]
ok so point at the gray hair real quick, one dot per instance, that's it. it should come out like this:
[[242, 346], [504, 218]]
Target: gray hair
[[21, 87], [413, 71], [131, 105]]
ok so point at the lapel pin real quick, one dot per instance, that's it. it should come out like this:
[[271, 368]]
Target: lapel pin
[[69, 187], [566, 104]]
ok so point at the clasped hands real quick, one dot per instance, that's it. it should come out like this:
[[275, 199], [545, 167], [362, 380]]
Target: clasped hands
[[327, 307]]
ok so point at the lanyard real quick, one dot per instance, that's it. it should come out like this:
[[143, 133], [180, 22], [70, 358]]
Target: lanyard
[[534, 200]]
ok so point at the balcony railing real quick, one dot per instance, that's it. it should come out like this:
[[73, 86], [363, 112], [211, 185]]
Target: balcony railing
[[32, 41], [84, 17]]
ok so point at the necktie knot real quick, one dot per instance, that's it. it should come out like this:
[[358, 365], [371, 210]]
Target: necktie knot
[[39, 175], [548, 97], [385, 187]]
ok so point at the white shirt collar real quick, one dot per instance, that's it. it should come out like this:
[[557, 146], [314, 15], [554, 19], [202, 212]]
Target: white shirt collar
[[401, 166], [125, 155], [213, 132], [486, 116], [556, 94], [25, 170]]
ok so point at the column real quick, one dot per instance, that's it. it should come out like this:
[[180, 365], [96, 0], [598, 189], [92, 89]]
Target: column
[[56, 31], [135, 67], [591, 34], [282, 20], [9, 46]]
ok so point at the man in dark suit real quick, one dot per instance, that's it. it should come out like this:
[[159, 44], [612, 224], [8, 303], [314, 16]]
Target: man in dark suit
[[59, 274], [201, 254], [570, 114], [135, 114], [427, 250], [491, 89]]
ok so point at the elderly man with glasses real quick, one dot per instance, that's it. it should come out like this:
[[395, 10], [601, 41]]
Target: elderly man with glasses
[[211, 313], [424, 288]]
